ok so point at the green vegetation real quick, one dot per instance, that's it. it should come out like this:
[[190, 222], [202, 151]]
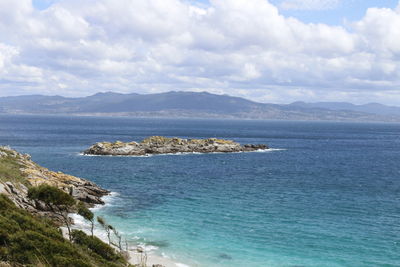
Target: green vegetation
[[58, 201], [87, 215], [108, 228], [95, 245], [26, 240], [29, 240], [157, 140], [10, 168], [180, 141], [52, 196]]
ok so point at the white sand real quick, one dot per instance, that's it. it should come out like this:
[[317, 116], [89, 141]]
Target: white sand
[[134, 256], [152, 259]]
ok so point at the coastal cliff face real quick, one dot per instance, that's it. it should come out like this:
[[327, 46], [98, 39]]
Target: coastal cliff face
[[165, 145], [18, 172]]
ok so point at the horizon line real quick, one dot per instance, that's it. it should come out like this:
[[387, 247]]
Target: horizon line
[[196, 92]]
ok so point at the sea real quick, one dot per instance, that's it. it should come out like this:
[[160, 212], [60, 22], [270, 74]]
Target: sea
[[325, 194]]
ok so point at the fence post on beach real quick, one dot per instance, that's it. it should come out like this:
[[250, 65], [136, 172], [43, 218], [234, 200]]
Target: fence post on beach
[[126, 252], [142, 256], [119, 237]]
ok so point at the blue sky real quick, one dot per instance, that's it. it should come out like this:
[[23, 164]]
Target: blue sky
[[350, 10], [269, 51], [42, 4]]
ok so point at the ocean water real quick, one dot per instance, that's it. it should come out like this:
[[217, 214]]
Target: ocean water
[[328, 194]]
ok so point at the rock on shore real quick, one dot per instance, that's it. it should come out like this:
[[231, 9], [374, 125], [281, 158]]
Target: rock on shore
[[165, 145], [18, 172]]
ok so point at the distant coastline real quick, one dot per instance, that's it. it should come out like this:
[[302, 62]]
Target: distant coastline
[[194, 105], [205, 117]]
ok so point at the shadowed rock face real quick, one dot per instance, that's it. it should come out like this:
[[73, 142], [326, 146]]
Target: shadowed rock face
[[164, 145]]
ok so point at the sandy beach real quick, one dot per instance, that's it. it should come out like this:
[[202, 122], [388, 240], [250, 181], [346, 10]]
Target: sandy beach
[[135, 257], [152, 259]]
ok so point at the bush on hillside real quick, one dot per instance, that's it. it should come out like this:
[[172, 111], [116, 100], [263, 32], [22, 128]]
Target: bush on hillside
[[31, 241]]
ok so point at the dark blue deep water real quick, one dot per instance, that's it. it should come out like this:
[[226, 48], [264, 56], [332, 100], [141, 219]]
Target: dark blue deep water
[[328, 196]]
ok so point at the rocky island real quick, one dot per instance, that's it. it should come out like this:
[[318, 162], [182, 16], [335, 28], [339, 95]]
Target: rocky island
[[165, 145]]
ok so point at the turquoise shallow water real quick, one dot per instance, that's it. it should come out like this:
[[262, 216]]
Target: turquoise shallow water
[[329, 196]]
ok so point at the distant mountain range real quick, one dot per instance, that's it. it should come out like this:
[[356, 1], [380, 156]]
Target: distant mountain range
[[193, 104], [373, 108]]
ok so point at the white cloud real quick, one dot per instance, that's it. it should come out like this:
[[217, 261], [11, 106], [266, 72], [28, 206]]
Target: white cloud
[[380, 30], [16, 74], [241, 47], [310, 4]]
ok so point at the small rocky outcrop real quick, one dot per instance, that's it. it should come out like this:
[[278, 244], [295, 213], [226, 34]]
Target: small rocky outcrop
[[18, 172], [165, 145]]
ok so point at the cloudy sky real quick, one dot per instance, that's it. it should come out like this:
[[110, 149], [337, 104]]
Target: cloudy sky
[[269, 51]]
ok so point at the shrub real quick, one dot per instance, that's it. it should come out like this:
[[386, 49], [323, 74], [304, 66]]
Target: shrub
[[51, 195], [87, 215], [95, 245], [26, 240], [58, 201]]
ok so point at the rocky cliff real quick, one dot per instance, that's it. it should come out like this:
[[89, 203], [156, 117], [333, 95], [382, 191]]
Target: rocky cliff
[[18, 172], [164, 145]]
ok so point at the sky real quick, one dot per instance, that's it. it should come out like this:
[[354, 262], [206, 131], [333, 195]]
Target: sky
[[275, 51]]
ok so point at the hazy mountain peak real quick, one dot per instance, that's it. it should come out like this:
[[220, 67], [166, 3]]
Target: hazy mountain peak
[[105, 94], [195, 104]]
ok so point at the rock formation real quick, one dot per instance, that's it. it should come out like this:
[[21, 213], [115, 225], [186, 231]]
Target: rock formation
[[18, 172], [164, 145]]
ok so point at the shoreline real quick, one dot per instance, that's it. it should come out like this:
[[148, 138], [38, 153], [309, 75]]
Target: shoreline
[[29, 173], [153, 259], [182, 153], [134, 255]]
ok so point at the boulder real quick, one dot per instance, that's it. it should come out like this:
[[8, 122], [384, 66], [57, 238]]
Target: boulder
[[3, 189]]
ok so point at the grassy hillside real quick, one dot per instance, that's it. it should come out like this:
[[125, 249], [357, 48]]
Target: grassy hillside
[[31, 241], [10, 168]]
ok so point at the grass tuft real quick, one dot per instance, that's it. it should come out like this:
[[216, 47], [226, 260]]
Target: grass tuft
[[10, 168]]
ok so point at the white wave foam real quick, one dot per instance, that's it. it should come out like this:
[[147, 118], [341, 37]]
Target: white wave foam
[[206, 153], [184, 153], [108, 201], [165, 255], [179, 264], [147, 248], [117, 156], [81, 224], [270, 150]]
